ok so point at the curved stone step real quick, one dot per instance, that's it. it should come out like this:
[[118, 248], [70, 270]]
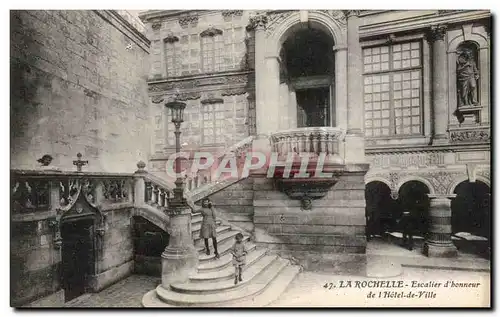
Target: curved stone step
[[273, 291], [254, 288], [227, 273], [220, 230], [223, 248], [224, 261], [225, 285]]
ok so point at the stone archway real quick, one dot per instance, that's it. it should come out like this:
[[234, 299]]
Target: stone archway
[[413, 197], [380, 209], [471, 217]]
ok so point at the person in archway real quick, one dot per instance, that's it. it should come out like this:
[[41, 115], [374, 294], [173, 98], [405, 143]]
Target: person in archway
[[209, 226], [407, 224]]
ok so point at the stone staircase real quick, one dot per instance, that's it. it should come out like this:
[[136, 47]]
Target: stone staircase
[[265, 277]]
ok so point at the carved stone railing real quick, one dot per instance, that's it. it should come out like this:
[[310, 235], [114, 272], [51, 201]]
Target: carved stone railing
[[34, 191], [313, 140], [207, 177]]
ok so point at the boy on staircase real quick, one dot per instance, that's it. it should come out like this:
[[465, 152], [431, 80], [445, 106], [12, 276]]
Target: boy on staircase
[[239, 257]]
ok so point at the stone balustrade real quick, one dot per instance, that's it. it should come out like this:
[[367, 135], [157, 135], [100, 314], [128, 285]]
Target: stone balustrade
[[205, 177], [51, 190], [313, 140]]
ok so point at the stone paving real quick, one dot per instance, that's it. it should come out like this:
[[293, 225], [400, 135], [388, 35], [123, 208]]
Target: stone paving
[[308, 290], [126, 293]]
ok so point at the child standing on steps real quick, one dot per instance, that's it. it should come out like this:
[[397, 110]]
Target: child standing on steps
[[239, 257]]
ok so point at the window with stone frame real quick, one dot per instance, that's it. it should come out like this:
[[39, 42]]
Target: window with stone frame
[[213, 121], [156, 59], [234, 45], [189, 48], [212, 50], [393, 90], [190, 128], [173, 56]]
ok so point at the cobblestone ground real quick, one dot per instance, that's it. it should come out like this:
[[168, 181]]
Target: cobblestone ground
[[126, 293]]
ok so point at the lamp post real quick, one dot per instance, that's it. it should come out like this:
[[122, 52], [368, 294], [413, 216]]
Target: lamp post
[[177, 112], [180, 258]]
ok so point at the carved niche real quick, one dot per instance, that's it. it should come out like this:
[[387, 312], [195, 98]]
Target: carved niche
[[467, 74]]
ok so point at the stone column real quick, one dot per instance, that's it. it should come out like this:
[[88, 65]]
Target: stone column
[[438, 242], [355, 149], [180, 258], [258, 23], [436, 36]]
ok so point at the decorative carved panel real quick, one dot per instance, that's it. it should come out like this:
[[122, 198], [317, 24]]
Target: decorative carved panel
[[470, 136], [193, 83]]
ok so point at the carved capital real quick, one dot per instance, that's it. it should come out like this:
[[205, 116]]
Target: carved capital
[[258, 22], [211, 31], [436, 33]]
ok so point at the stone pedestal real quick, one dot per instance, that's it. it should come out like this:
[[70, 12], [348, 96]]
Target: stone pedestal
[[180, 258], [438, 242]]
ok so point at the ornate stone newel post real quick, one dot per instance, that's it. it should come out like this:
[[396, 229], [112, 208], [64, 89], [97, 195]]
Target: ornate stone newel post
[[438, 242], [436, 36], [180, 258]]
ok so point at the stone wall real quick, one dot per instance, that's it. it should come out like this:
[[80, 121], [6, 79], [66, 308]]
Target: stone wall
[[78, 84], [235, 203], [335, 224], [35, 263], [117, 260]]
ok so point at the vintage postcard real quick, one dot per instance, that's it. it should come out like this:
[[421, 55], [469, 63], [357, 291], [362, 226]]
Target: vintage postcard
[[250, 158]]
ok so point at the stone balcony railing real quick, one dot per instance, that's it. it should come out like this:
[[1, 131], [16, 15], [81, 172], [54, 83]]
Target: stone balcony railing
[[312, 140]]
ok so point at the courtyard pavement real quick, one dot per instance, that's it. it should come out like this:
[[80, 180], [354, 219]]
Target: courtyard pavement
[[321, 289]]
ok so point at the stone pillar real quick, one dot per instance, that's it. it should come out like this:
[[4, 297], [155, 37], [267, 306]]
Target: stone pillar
[[180, 258], [436, 36], [438, 242], [258, 23], [355, 143]]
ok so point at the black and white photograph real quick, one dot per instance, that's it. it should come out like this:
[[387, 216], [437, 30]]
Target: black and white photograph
[[250, 158]]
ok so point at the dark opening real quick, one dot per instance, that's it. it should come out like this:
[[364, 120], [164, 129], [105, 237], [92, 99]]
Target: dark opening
[[77, 256], [471, 209], [381, 209], [314, 107], [413, 198]]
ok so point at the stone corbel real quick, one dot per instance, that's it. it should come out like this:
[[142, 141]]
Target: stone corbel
[[305, 189]]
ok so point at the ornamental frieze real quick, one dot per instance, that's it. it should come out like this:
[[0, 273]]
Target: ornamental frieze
[[228, 13], [406, 160], [337, 15], [470, 136], [188, 84], [234, 91], [188, 20]]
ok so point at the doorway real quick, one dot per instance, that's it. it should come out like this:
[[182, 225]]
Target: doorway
[[77, 256], [313, 107]]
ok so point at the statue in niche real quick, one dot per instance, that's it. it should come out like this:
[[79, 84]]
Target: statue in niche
[[467, 77]]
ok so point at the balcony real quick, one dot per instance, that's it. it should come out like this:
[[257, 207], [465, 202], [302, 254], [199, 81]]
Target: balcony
[[312, 140]]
